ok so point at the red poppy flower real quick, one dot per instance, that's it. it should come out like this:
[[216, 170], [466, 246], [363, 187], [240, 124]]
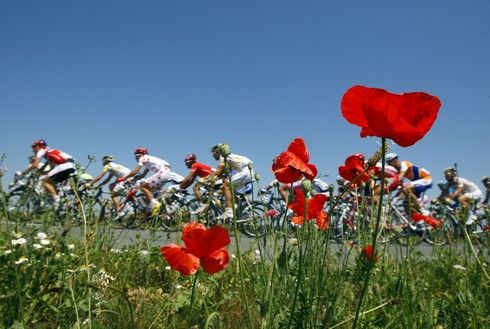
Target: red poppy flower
[[206, 247], [314, 210], [433, 222], [404, 118], [353, 170], [271, 213], [292, 164], [367, 253]]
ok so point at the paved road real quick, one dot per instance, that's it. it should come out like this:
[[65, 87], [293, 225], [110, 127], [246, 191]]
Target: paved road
[[125, 237]]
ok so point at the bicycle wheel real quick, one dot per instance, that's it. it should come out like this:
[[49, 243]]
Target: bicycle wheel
[[251, 221], [442, 235], [404, 232]]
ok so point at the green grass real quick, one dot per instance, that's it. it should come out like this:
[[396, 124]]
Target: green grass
[[134, 288]]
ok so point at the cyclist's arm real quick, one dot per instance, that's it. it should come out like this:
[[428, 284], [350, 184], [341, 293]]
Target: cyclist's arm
[[188, 180], [97, 178], [31, 166], [135, 171], [105, 181]]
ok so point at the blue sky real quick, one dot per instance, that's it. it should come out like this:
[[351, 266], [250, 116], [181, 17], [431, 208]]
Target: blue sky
[[104, 77]]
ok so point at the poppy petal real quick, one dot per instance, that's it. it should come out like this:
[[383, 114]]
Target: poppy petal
[[298, 220], [298, 206], [216, 261], [322, 221], [202, 241], [405, 118], [315, 205], [180, 259], [298, 148], [313, 170]]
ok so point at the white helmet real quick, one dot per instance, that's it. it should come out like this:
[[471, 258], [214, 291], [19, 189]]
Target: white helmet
[[391, 156]]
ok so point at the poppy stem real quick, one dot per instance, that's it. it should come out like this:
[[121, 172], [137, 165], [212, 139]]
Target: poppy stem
[[193, 293], [241, 269], [302, 252], [370, 262]]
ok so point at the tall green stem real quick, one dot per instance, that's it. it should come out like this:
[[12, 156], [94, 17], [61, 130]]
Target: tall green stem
[[370, 263], [237, 245]]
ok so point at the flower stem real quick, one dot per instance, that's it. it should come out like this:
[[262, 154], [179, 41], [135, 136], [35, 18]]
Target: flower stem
[[237, 245], [302, 252], [193, 293], [370, 263]]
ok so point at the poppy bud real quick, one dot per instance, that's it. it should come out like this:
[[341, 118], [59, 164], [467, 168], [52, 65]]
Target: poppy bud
[[224, 150], [306, 185], [257, 177], [250, 165]]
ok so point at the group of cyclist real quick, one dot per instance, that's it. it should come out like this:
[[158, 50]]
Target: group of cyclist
[[149, 176], [56, 166]]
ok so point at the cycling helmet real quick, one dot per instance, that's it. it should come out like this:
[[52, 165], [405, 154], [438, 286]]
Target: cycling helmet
[[450, 169], [190, 158], [39, 143], [216, 147], [391, 156], [141, 150], [107, 158]]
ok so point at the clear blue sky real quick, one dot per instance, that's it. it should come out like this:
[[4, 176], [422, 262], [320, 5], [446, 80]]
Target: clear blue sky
[[104, 77]]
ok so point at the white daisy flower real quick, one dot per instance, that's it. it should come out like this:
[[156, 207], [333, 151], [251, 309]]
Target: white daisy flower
[[21, 260], [41, 235], [45, 242], [71, 246], [7, 252], [459, 267], [19, 241], [37, 246]]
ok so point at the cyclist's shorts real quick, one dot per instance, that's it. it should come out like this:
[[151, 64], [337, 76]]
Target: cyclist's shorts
[[475, 195], [420, 186], [241, 178], [63, 175], [61, 172]]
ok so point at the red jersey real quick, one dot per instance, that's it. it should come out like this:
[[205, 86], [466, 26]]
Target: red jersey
[[201, 169]]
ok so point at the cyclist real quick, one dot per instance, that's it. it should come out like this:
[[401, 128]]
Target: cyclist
[[161, 175], [197, 169], [62, 167], [463, 191], [114, 170], [241, 174], [420, 180], [390, 176], [486, 183]]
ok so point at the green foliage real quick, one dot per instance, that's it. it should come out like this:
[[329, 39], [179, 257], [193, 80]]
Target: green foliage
[[46, 283]]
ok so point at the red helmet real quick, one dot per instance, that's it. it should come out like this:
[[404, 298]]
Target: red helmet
[[190, 158], [39, 143], [141, 150]]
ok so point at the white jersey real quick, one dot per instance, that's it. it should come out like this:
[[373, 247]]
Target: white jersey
[[237, 162], [154, 164], [116, 169], [467, 186]]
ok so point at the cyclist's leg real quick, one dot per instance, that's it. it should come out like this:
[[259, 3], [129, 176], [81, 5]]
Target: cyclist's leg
[[116, 189]]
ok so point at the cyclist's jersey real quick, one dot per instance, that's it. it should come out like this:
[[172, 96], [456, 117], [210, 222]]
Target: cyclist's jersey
[[390, 175], [467, 186], [236, 162], [156, 165], [116, 169], [201, 169], [413, 172], [53, 156]]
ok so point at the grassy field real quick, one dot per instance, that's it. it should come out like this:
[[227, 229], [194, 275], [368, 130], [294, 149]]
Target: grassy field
[[50, 280]]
